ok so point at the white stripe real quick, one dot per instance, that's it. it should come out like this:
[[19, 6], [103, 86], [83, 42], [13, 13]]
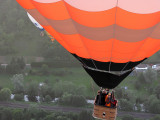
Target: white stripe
[[92, 5], [34, 21], [135, 6], [140, 6], [47, 1]]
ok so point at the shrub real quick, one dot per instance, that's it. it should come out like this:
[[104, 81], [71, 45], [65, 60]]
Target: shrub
[[17, 81], [17, 114], [126, 105], [56, 63], [44, 69], [19, 97], [150, 75], [78, 101], [119, 93], [156, 118], [47, 99], [127, 117], [46, 90], [5, 94], [152, 104], [62, 87], [72, 100], [157, 91], [85, 115], [154, 107], [6, 114], [140, 99], [32, 92]]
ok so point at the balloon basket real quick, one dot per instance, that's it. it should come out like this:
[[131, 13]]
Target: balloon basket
[[104, 113]]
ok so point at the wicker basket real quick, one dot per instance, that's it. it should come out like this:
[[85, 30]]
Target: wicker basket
[[104, 113]]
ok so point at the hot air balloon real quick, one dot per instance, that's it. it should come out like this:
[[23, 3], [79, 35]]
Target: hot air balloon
[[109, 37], [40, 27]]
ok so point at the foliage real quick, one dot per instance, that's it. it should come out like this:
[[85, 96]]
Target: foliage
[[141, 80], [17, 114], [156, 118], [5, 94], [6, 114], [127, 117], [13, 67], [21, 63], [62, 87], [152, 104], [32, 91], [119, 93], [150, 75], [34, 113], [18, 82], [85, 115], [157, 91], [47, 99], [72, 100], [44, 69], [56, 63], [45, 90], [19, 97], [125, 105], [141, 99]]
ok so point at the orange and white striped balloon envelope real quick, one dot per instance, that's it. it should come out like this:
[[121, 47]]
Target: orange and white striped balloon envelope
[[109, 37]]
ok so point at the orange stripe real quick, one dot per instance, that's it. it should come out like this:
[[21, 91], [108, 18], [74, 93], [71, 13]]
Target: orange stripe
[[124, 50], [149, 48], [54, 11], [92, 19], [56, 35], [136, 21], [26, 4], [98, 50], [76, 44]]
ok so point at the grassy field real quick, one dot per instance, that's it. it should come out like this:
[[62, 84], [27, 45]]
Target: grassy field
[[76, 76]]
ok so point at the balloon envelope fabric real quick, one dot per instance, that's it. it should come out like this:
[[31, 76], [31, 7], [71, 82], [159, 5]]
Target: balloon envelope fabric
[[104, 35]]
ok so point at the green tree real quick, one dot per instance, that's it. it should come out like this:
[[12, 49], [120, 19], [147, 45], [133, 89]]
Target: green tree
[[18, 82], [19, 97], [156, 118], [140, 81], [47, 99], [150, 75], [127, 117], [32, 91], [157, 91], [72, 100], [119, 92], [65, 86], [17, 114], [6, 114], [78, 100], [5, 94], [152, 104], [125, 105], [13, 67], [46, 90], [21, 63], [50, 117], [85, 115], [44, 69]]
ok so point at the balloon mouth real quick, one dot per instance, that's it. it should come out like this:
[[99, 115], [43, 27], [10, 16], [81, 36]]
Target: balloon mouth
[[106, 79], [118, 73]]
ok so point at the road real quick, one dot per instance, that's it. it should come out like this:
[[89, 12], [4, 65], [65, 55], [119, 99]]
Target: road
[[74, 109]]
